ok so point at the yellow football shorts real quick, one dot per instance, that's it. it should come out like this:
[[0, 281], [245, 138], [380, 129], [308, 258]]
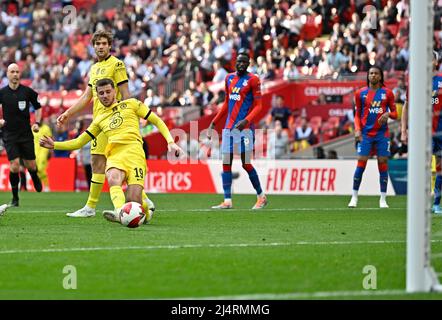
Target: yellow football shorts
[[129, 158]]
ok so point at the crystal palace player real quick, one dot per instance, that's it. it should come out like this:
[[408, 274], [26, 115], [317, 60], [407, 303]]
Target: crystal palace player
[[374, 105], [242, 105], [436, 102]]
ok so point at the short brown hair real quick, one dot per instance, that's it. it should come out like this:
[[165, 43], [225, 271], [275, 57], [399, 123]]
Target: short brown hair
[[104, 82], [102, 34]]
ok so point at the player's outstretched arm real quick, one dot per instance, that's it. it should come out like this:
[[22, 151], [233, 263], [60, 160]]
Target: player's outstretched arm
[[77, 107], [171, 145], [162, 128], [73, 144]]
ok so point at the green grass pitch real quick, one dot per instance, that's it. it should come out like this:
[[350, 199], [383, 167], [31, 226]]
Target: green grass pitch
[[299, 247]]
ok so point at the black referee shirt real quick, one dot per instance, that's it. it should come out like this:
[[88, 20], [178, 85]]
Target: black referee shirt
[[16, 105]]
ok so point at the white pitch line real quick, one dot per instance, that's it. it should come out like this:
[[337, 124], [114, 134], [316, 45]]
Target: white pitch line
[[301, 295], [198, 246], [233, 210]]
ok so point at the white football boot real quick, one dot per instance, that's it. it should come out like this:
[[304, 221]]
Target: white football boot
[[3, 209], [353, 202], [383, 203], [224, 205], [84, 212], [112, 215]]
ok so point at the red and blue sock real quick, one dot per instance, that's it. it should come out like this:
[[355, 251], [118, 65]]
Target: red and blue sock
[[227, 181], [253, 176], [383, 176], [357, 178]]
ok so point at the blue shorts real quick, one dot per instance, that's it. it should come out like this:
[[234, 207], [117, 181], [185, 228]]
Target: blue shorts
[[437, 146], [379, 144], [239, 141]]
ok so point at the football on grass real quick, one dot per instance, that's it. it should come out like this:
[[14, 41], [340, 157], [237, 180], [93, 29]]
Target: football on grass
[[132, 215]]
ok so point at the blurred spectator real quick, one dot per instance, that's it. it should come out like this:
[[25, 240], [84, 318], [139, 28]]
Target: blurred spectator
[[321, 100], [319, 152], [345, 70], [304, 136], [332, 154], [335, 59], [152, 100], [205, 96], [71, 77], [84, 157], [346, 123], [61, 134], [39, 83], [135, 84], [394, 62], [290, 71], [400, 91], [220, 72], [324, 68], [277, 142], [280, 112]]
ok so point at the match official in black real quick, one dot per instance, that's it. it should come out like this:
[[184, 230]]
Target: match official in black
[[16, 99]]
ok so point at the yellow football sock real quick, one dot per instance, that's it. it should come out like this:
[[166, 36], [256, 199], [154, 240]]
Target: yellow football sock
[[117, 196], [144, 202], [97, 182], [43, 177]]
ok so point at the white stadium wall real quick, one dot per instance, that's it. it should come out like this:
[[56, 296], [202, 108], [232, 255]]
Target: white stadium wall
[[307, 177]]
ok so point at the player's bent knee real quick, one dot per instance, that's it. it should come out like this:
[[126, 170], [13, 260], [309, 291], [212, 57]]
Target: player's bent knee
[[115, 177], [14, 166]]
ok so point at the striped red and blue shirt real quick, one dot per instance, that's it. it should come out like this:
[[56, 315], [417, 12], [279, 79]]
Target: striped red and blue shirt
[[436, 102], [370, 106], [242, 101]]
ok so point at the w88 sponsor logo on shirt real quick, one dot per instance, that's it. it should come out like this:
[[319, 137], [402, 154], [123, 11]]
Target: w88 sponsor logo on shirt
[[376, 110], [235, 97]]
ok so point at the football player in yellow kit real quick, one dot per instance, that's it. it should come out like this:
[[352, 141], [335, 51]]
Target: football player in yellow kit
[[110, 67], [119, 122], [42, 154]]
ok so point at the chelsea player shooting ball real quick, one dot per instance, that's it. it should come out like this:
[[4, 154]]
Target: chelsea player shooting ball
[[132, 215]]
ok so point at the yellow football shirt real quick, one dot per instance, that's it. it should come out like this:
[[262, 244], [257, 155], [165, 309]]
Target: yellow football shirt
[[111, 68], [119, 123]]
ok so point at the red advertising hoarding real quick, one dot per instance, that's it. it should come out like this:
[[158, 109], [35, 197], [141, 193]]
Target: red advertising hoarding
[[61, 173]]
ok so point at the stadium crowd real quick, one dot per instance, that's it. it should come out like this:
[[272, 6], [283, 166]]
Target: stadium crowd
[[193, 44]]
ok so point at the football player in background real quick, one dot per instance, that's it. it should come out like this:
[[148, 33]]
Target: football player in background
[[436, 103], [242, 105], [374, 106]]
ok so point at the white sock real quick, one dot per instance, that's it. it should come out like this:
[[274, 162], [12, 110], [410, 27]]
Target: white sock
[[383, 196], [261, 195], [228, 200], [355, 193]]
